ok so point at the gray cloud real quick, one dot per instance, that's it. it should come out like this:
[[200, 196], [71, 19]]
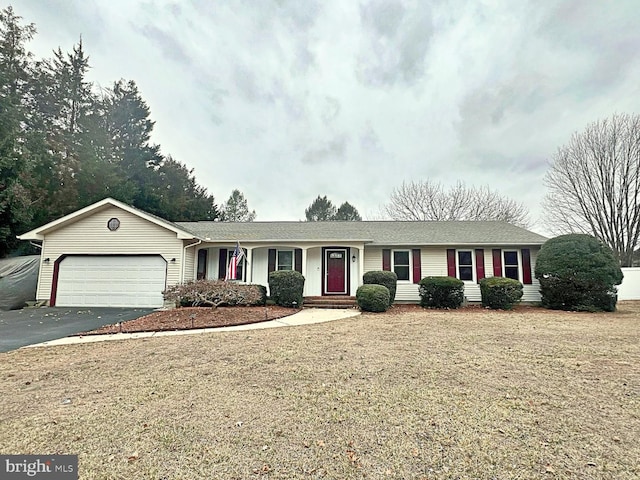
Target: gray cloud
[[397, 42], [384, 90], [333, 151], [170, 47]]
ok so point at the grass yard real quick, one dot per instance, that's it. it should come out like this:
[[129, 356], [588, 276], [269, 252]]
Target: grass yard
[[410, 395]]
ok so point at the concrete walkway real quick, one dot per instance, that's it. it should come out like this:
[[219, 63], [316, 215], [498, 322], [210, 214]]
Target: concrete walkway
[[306, 316]]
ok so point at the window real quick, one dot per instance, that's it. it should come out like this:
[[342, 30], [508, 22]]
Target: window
[[511, 265], [465, 265], [401, 264], [113, 224], [240, 269], [285, 260]]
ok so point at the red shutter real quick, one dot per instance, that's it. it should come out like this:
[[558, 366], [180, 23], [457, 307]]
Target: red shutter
[[417, 268], [386, 259], [272, 260], [526, 266], [479, 264], [298, 261], [451, 262], [222, 264], [497, 262]]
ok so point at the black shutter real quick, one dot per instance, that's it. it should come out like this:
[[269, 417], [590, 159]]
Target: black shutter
[[222, 264], [272, 260], [298, 255]]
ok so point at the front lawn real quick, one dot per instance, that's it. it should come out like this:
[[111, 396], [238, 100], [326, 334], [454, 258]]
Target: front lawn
[[410, 394]]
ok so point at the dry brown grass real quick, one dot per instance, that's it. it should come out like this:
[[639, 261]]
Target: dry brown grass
[[417, 394]]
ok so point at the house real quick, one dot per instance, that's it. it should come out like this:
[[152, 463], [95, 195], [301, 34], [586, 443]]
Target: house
[[112, 254]]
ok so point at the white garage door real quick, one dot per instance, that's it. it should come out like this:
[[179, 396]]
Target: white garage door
[[111, 281]]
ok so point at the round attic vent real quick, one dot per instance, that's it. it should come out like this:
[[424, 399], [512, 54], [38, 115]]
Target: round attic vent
[[113, 224]]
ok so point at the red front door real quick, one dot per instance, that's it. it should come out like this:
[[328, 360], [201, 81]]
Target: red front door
[[336, 271]]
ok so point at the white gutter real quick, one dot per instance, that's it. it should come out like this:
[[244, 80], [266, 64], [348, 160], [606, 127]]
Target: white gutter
[[184, 255]]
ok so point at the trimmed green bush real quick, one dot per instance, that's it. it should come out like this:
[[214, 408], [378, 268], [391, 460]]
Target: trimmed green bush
[[500, 293], [263, 295], [441, 292], [578, 272], [383, 277], [286, 288], [215, 293], [373, 298]]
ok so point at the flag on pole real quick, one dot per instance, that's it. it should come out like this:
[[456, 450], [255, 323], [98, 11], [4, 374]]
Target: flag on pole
[[236, 258]]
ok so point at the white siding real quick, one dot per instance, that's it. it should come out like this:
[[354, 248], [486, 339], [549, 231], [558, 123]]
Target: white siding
[[189, 261], [433, 262], [91, 236]]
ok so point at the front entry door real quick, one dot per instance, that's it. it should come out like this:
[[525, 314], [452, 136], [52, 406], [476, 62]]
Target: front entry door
[[335, 271]]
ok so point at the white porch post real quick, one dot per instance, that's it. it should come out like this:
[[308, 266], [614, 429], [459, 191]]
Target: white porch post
[[304, 268], [250, 265], [360, 265]]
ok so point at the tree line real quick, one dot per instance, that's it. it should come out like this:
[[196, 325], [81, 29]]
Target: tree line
[[65, 144]]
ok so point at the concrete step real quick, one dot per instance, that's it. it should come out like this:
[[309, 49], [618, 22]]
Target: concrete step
[[333, 301]]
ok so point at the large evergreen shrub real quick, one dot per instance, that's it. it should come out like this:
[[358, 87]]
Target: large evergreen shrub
[[286, 288], [578, 272], [441, 292], [383, 277], [500, 293], [373, 298]]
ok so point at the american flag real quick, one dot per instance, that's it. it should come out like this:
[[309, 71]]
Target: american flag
[[236, 258]]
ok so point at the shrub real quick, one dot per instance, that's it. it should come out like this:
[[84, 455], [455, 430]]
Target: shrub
[[214, 293], [578, 272], [500, 293], [373, 298], [263, 294], [441, 292], [286, 288], [382, 277]]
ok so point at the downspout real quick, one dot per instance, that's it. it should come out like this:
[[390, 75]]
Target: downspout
[[184, 255]]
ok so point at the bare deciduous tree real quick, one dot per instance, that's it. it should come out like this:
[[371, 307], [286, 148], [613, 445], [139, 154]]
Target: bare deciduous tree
[[594, 185], [431, 201]]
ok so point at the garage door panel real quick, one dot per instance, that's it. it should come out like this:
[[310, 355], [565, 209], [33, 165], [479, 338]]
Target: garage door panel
[[111, 281]]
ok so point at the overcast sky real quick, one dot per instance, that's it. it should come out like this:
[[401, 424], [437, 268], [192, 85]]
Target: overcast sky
[[290, 99]]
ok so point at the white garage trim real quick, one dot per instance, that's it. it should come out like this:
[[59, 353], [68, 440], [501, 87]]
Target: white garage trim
[[109, 281]]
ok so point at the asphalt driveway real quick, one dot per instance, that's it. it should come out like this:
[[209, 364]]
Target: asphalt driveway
[[35, 325]]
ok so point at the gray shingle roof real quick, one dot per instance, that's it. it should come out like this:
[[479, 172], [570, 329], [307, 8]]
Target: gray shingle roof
[[376, 233]]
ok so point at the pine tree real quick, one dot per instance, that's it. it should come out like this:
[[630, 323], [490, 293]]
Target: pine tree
[[236, 209]]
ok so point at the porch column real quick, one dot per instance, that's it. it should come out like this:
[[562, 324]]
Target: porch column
[[249, 275], [360, 265], [304, 267]]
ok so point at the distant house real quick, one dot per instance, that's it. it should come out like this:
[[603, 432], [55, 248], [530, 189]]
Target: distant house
[[111, 254]]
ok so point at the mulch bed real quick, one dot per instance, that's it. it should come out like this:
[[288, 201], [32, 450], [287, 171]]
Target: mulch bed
[[195, 317]]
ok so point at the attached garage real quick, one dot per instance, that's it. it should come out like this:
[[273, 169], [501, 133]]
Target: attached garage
[[110, 281]]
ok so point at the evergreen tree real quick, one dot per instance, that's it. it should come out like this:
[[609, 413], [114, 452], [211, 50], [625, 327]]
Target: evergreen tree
[[347, 212], [15, 209], [236, 209], [321, 209]]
